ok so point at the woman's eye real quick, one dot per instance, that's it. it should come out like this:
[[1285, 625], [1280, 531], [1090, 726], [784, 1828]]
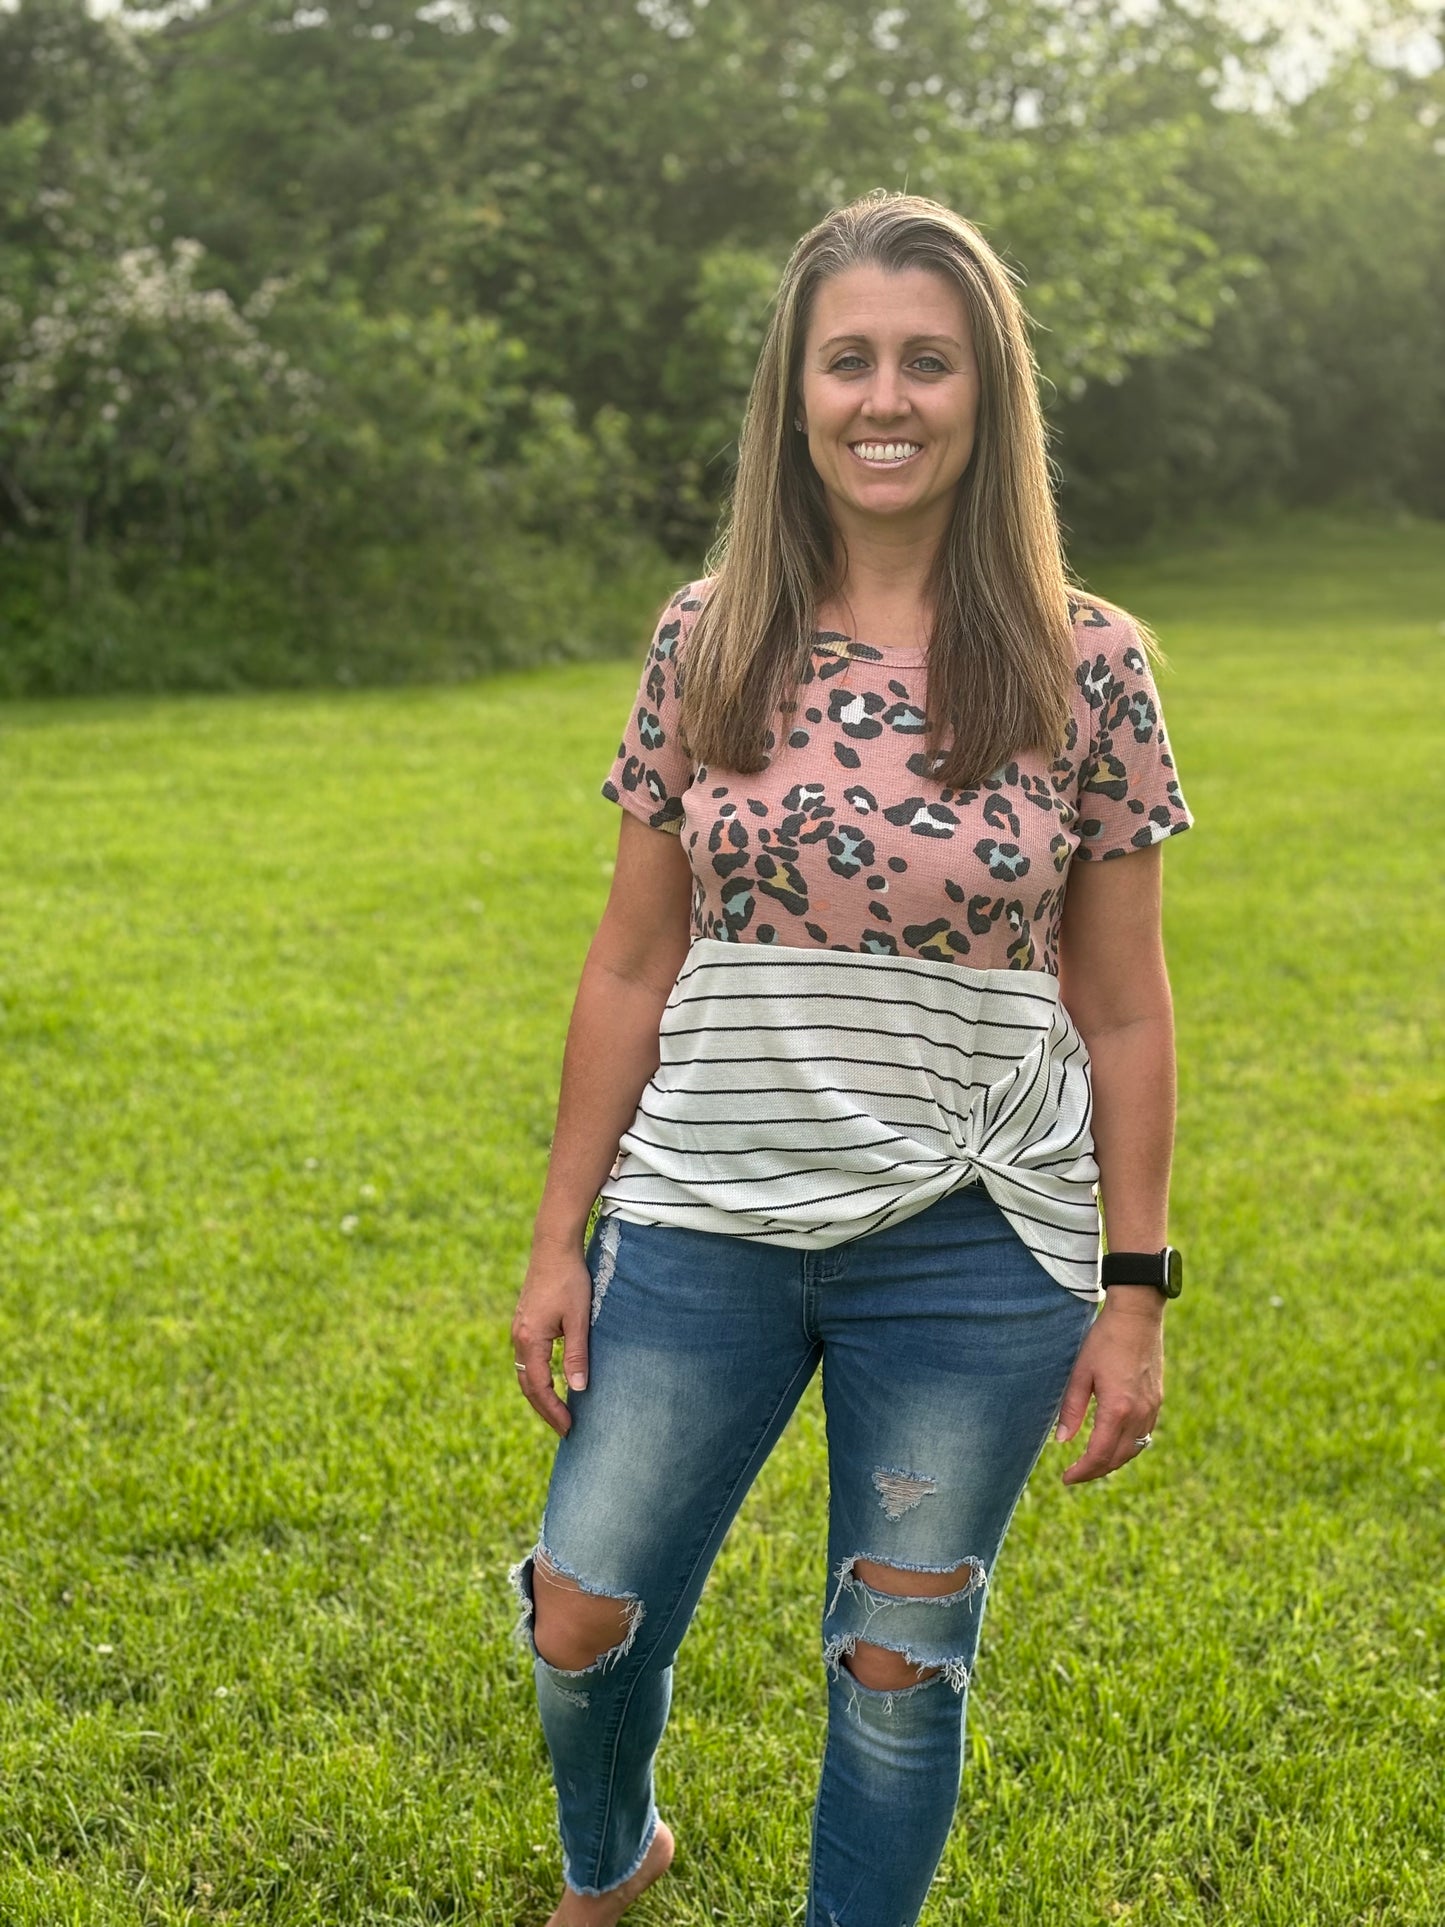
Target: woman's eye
[[927, 364]]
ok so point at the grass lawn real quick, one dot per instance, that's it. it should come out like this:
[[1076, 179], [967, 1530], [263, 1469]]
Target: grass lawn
[[283, 988]]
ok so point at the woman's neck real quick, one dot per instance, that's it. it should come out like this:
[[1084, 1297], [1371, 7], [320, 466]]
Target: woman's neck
[[883, 597]]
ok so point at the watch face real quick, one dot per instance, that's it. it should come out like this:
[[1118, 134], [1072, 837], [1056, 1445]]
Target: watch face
[[1173, 1271]]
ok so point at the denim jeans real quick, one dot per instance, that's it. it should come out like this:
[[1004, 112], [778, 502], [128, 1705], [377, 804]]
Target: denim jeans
[[945, 1349]]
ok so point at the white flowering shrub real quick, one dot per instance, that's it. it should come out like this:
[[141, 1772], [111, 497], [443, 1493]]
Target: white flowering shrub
[[135, 399]]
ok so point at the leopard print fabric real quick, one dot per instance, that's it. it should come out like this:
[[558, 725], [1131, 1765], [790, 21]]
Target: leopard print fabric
[[844, 840]]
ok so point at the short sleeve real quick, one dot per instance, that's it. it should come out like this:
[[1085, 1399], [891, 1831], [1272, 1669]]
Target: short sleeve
[[1129, 794], [652, 767]]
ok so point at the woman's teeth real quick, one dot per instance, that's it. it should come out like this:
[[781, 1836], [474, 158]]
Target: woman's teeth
[[885, 451]]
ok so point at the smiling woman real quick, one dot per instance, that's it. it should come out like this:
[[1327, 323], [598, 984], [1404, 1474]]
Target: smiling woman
[[890, 391], [872, 1016], [892, 485]]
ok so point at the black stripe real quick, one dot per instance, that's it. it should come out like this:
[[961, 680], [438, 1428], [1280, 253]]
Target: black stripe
[[1011, 1176], [793, 1030], [1013, 1173], [853, 997], [897, 966], [755, 1150], [1047, 1164], [904, 1127], [1028, 1218], [752, 1119], [820, 1090], [1013, 1108], [794, 1204], [1010, 1103], [1082, 1136], [1018, 1090], [931, 1101]]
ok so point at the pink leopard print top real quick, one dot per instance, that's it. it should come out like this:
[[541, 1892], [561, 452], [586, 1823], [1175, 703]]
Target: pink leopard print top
[[844, 841]]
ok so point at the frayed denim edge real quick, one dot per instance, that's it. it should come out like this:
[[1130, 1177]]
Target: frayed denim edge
[[522, 1631], [954, 1671], [592, 1893]]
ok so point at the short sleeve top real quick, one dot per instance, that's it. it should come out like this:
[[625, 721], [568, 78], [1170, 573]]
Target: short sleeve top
[[845, 842], [869, 1015]]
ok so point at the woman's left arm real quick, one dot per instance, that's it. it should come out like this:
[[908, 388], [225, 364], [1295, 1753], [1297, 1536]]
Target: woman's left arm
[[1115, 986]]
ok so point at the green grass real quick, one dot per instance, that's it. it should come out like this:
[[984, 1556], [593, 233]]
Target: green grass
[[283, 987]]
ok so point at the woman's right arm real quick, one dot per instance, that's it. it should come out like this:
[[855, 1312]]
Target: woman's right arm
[[611, 1053]]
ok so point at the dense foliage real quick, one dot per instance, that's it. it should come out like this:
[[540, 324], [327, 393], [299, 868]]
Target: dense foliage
[[374, 340]]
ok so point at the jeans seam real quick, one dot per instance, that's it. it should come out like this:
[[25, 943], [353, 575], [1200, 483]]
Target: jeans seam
[[808, 1300], [1033, 1467], [807, 1366], [814, 1899]]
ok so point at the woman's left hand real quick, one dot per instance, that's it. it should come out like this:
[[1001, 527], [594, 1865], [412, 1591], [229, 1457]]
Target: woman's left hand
[[1121, 1365]]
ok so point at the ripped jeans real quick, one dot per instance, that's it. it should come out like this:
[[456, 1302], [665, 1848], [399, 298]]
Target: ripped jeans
[[945, 1348]]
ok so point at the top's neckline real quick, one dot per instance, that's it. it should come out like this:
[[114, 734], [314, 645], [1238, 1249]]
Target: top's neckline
[[833, 642]]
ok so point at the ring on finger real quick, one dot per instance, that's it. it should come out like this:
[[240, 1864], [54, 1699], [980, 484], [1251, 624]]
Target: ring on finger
[[518, 1365], [1147, 1440]]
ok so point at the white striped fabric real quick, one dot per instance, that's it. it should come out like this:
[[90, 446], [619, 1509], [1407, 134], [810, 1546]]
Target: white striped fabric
[[809, 1096]]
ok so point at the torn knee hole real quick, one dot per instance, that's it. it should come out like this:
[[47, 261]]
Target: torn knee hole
[[889, 1671], [900, 1583], [576, 1628], [885, 1671], [920, 1619]]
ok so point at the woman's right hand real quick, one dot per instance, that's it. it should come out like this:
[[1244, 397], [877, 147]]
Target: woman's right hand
[[556, 1302]]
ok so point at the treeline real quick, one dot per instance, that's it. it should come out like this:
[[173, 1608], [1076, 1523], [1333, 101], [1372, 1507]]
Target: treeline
[[374, 340]]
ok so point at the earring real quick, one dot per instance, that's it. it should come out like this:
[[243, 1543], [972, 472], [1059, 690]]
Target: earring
[[798, 424]]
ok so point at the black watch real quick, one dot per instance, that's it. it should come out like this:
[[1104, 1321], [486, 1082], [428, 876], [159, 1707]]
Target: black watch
[[1162, 1269]]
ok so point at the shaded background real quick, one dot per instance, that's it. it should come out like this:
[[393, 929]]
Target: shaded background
[[377, 342]]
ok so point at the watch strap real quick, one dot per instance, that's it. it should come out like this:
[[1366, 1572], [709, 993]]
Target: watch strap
[[1162, 1269]]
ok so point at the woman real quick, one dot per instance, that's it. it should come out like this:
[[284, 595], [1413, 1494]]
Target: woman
[[858, 1066]]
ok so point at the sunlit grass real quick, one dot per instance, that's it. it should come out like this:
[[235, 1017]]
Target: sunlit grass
[[283, 986]]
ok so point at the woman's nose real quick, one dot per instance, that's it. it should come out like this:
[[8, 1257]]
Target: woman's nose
[[885, 399]]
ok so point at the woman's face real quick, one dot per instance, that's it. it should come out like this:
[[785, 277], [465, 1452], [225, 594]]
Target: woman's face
[[890, 394]]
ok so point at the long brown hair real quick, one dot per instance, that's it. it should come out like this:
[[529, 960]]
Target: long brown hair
[[1001, 658]]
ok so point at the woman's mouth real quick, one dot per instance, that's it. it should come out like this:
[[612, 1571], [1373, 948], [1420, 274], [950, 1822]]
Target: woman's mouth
[[885, 454]]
